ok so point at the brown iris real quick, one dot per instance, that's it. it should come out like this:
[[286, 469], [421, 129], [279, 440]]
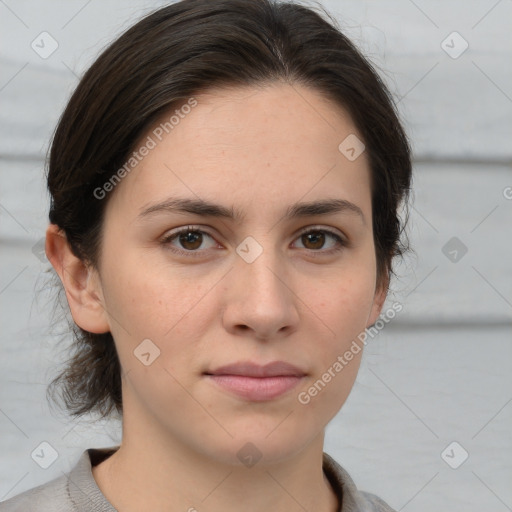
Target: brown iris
[[316, 238], [191, 240]]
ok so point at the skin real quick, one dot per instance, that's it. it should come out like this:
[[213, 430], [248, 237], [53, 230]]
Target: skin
[[260, 150]]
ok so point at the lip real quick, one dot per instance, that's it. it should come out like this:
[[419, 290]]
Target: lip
[[250, 369], [257, 382]]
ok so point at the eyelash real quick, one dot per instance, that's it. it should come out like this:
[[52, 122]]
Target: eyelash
[[341, 243]]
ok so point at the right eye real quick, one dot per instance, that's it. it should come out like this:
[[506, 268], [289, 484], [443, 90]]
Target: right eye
[[190, 240]]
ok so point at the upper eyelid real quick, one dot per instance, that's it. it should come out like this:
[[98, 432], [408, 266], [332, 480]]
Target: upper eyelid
[[315, 227]]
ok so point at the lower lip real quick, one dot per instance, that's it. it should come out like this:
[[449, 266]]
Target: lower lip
[[257, 389]]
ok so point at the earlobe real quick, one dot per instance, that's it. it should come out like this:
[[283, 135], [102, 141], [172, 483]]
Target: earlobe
[[378, 303], [81, 283]]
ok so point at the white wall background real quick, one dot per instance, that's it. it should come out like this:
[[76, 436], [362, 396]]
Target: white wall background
[[440, 372]]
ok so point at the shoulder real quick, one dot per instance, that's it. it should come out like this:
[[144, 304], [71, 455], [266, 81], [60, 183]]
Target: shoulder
[[75, 491], [374, 503], [352, 499], [52, 496]]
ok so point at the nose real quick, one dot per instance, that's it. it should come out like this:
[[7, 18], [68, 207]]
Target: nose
[[260, 301]]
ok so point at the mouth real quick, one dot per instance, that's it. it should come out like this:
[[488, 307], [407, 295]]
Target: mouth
[[255, 382]]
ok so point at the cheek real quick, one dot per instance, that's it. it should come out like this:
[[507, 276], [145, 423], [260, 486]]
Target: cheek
[[146, 300], [332, 377], [343, 304], [151, 307], [340, 310], [143, 301]]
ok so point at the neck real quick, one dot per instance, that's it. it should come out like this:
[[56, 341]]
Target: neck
[[152, 471]]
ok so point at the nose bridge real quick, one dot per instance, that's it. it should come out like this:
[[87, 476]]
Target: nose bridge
[[260, 266], [260, 296]]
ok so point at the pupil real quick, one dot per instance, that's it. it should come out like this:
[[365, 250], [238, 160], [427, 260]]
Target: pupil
[[316, 239], [190, 240]]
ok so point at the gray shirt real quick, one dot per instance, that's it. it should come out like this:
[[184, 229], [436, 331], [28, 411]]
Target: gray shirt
[[77, 491]]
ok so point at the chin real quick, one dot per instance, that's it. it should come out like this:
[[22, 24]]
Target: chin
[[258, 445]]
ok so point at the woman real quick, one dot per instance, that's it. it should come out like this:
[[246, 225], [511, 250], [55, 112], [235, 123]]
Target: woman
[[225, 183]]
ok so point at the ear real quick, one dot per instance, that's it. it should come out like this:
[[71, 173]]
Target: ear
[[379, 298], [81, 283]]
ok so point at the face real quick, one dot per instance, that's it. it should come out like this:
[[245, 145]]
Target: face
[[252, 278]]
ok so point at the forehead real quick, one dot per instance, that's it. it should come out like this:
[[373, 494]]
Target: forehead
[[278, 115], [258, 143]]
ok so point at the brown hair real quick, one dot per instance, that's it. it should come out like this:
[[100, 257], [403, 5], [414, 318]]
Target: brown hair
[[166, 58]]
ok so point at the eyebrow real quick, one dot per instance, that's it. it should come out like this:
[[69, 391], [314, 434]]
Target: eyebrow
[[209, 209]]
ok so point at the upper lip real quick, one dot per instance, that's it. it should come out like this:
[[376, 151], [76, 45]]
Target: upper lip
[[250, 369]]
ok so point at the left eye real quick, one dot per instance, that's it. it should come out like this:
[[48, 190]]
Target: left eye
[[315, 239]]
